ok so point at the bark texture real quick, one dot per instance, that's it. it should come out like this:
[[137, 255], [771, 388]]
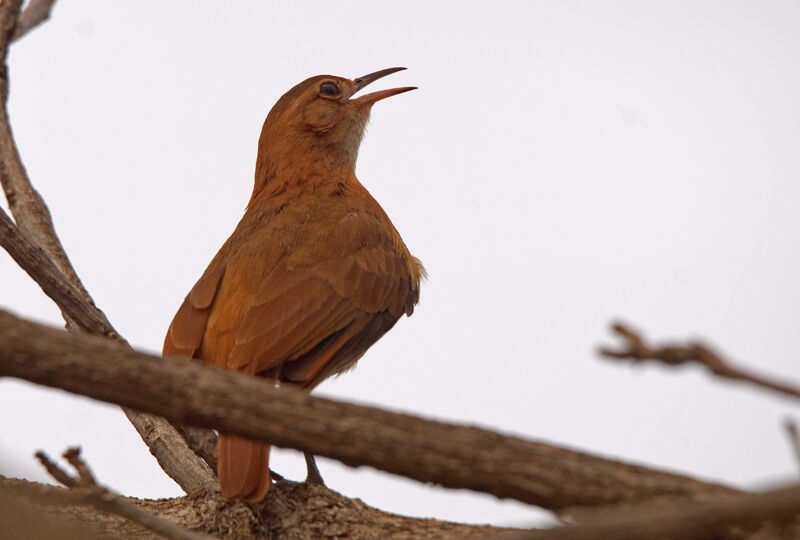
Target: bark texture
[[434, 452], [291, 511]]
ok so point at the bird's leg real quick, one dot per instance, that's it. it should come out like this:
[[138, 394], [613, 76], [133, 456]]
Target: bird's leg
[[313, 476]]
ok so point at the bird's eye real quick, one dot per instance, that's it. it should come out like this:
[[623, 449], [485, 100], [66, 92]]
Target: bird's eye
[[328, 89]]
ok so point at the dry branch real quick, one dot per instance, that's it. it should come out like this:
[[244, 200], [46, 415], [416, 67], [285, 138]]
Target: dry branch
[[58, 474], [33, 243], [165, 443], [203, 442], [84, 489], [453, 456], [734, 518], [636, 349], [26, 204], [290, 512], [34, 14], [31, 258]]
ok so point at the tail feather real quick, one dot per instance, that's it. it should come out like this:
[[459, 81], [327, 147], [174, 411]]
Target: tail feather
[[243, 468]]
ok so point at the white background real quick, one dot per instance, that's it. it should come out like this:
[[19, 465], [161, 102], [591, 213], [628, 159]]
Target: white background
[[562, 164]]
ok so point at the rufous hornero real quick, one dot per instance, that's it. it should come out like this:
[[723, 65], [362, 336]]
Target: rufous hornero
[[314, 272]]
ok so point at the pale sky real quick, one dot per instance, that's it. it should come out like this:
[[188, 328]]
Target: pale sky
[[562, 164]]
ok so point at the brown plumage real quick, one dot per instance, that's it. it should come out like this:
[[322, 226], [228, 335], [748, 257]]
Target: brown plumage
[[314, 273]]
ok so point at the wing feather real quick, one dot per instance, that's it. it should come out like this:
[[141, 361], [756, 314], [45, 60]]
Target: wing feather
[[293, 336], [185, 334], [373, 277], [307, 314], [279, 311], [305, 369], [348, 354]]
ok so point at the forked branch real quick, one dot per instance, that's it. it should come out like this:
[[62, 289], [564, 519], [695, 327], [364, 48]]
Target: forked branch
[[84, 489], [635, 348], [33, 243]]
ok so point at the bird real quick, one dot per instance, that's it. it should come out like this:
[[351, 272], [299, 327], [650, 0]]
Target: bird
[[313, 274]]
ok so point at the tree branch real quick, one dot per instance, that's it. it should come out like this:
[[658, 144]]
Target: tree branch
[[9, 11], [166, 444], [37, 249], [636, 349], [291, 511], [203, 441], [34, 14], [21, 519], [735, 518], [26, 204], [31, 258], [84, 489], [453, 456]]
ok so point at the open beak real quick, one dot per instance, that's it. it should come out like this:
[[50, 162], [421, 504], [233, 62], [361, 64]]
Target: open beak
[[370, 99]]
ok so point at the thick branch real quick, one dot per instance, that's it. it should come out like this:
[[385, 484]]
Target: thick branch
[[21, 519], [636, 349], [172, 452], [290, 512], [686, 521], [428, 451], [203, 441]]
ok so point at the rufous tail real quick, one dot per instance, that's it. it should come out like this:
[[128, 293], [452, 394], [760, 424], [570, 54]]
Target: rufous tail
[[243, 467]]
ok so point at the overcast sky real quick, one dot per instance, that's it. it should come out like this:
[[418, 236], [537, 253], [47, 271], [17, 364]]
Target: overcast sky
[[562, 164]]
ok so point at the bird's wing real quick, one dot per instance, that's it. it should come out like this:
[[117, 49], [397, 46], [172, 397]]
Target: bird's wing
[[185, 334], [313, 318]]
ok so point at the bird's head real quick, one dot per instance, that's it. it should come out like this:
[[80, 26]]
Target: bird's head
[[320, 121]]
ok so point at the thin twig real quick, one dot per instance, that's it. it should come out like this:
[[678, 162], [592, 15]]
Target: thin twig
[[635, 348], [35, 13], [85, 476], [84, 489], [794, 437], [55, 471]]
